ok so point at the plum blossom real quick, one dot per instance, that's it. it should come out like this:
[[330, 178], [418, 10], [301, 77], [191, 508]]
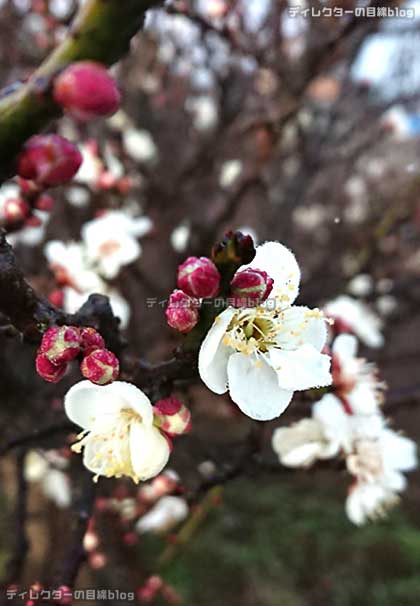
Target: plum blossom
[[263, 354], [355, 380], [118, 437], [354, 316], [164, 515], [111, 241], [377, 463]]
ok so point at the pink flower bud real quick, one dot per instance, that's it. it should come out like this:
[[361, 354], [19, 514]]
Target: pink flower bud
[[49, 160], [199, 277], [100, 366], [182, 311], [87, 91], [60, 344], [90, 339], [250, 287], [172, 416], [15, 210], [47, 370]]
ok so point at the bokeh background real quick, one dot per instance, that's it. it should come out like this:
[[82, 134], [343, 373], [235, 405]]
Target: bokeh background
[[294, 127]]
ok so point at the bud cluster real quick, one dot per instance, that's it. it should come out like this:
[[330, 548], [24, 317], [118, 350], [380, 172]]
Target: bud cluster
[[62, 344], [198, 278]]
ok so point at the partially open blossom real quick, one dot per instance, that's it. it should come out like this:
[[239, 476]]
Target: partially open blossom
[[164, 515], [118, 438], [15, 210], [100, 366], [172, 416], [49, 160], [353, 316], [90, 339], [263, 354], [199, 277], [87, 91], [60, 344], [182, 311], [47, 370], [355, 380], [249, 287]]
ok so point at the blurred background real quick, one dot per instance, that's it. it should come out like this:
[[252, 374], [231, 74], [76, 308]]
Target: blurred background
[[288, 122]]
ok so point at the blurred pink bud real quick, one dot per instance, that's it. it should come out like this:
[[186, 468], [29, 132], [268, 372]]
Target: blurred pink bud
[[49, 160], [87, 91], [90, 339], [172, 416], [182, 311], [250, 287], [44, 202], [199, 277], [100, 366], [47, 370], [15, 210], [56, 297], [60, 344]]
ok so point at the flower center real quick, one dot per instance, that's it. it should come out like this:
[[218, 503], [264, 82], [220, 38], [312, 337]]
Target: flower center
[[252, 330]]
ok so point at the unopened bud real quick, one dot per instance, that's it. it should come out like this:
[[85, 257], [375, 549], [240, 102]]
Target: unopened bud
[[100, 366], [182, 311], [47, 370], [90, 339], [49, 160], [172, 416], [199, 277], [250, 287], [60, 344], [87, 91], [15, 210], [234, 250]]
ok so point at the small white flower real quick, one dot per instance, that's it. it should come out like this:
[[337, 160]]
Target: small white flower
[[118, 438], [164, 515], [230, 172], [139, 145], [46, 469], [355, 380], [180, 236], [111, 241], [68, 261], [264, 354], [92, 166], [358, 318], [377, 464]]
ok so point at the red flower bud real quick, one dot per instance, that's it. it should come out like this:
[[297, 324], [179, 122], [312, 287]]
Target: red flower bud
[[250, 287], [87, 91], [60, 344], [199, 277], [47, 370], [182, 311], [172, 416], [90, 340], [100, 366], [49, 160], [15, 210]]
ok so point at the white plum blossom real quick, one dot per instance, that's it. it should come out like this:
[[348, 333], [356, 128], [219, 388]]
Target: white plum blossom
[[263, 354], [111, 241], [118, 437], [164, 515], [377, 462], [46, 468], [355, 380], [139, 145], [356, 317], [229, 172]]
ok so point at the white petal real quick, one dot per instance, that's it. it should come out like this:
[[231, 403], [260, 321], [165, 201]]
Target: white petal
[[86, 403], [281, 265], [254, 388], [345, 346], [131, 396], [56, 486], [300, 325], [213, 356], [149, 451], [302, 456], [303, 368], [335, 422], [363, 399], [399, 452]]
